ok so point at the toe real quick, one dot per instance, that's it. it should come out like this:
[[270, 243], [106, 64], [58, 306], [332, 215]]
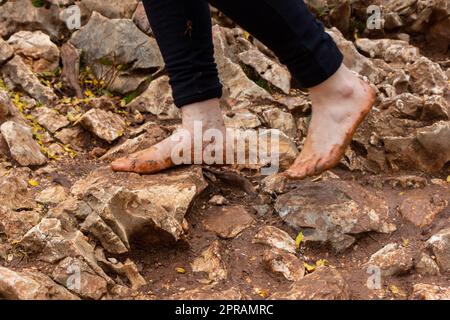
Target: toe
[[123, 164]]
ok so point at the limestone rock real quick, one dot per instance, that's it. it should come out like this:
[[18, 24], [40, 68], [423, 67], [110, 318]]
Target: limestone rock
[[148, 208], [422, 291], [23, 148], [31, 285], [211, 262], [286, 264], [111, 9], [275, 238], [227, 222], [127, 47], [269, 70], [326, 283], [6, 52], [440, 246], [141, 20], [52, 195], [36, 49], [31, 18], [157, 100], [104, 124], [50, 119], [421, 210], [353, 59], [78, 277], [239, 89], [395, 51], [15, 224], [242, 120], [427, 77], [426, 266], [14, 193], [282, 121], [392, 259], [333, 211], [210, 292], [21, 77]]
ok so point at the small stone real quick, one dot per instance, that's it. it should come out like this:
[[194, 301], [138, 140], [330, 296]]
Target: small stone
[[275, 238], [218, 200], [79, 278], [242, 120], [325, 283], [440, 246], [281, 120], [210, 292], [104, 124], [52, 195], [15, 224], [286, 264], [228, 222], [6, 52], [211, 262], [22, 78], [421, 210], [31, 285], [426, 266], [36, 49], [269, 70], [392, 259], [422, 291], [24, 149], [157, 100], [50, 119]]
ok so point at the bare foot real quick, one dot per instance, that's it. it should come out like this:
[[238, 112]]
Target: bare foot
[[163, 155], [340, 104]]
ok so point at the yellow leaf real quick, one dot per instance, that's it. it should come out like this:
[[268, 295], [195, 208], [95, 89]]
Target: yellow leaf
[[299, 239], [261, 292], [33, 183], [405, 242], [396, 291], [448, 179], [180, 270], [308, 267], [321, 262]]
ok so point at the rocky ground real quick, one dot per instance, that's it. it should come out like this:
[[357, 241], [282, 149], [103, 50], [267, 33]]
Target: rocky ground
[[376, 227]]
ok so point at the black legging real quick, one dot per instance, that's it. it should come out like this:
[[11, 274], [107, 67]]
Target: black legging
[[183, 31]]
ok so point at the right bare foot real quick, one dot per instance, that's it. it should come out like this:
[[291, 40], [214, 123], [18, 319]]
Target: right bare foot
[[340, 104], [161, 156]]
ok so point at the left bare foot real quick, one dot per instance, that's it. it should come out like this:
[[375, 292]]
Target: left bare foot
[[340, 104]]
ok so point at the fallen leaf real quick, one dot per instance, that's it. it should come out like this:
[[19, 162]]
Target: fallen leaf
[[299, 239], [180, 270], [309, 267], [261, 292], [321, 262], [33, 183]]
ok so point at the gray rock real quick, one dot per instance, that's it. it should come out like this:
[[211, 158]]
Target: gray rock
[[23, 148], [112, 9], [14, 192], [269, 70], [333, 212], [120, 60], [242, 120], [393, 51], [427, 77], [31, 18]]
